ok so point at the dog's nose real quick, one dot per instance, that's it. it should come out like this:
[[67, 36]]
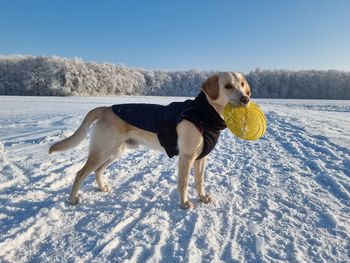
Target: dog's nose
[[244, 100]]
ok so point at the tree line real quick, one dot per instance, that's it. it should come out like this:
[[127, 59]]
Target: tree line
[[56, 76]]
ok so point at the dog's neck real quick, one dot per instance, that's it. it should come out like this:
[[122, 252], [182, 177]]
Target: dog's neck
[[217, 107]]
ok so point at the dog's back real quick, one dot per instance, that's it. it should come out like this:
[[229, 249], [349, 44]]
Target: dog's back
[[152, 117]]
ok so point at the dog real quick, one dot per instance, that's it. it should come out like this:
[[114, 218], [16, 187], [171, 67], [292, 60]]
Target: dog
[[191, 135]]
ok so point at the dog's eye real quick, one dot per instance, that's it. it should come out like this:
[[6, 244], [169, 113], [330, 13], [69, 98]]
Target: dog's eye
[[242, 83], [228, 86]]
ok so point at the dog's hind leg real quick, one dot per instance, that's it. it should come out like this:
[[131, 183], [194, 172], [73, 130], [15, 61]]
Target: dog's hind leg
[[103, 145], [93, 162], [102, 184]]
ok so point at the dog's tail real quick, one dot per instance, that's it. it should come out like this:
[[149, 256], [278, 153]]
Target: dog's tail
[[74, 140]]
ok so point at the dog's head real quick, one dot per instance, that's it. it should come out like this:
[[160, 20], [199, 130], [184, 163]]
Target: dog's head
[[228, 87]]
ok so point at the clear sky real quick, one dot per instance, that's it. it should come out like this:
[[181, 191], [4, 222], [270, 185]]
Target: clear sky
[[180, 34]]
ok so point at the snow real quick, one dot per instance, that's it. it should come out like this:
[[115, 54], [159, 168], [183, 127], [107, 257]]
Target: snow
[[284, 198]]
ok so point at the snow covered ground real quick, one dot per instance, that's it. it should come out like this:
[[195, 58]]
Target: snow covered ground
[[284, 198]]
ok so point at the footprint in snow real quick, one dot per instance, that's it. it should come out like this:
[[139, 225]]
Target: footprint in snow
[[259, 240], [2, 152], [327, 220]]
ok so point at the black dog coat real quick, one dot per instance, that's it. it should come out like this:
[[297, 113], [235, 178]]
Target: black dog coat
[[163, 120]]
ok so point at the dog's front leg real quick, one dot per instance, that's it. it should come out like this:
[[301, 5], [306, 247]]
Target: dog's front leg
[[185, 164], [190, 143], [199, 168]]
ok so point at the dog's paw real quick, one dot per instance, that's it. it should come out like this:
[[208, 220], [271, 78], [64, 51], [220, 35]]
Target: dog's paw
[[75, 200], [206, 198], [105, 188], [187, 205]]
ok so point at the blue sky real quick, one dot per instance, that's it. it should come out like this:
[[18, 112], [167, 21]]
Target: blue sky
[[179, 34]]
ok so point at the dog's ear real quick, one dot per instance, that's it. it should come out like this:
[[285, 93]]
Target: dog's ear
[[211, 87], [244, 84]]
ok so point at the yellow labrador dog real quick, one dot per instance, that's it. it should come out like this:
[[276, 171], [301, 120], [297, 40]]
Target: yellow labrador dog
[[189, 129]]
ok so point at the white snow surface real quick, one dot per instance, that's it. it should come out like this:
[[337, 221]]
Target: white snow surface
[[284, 198]]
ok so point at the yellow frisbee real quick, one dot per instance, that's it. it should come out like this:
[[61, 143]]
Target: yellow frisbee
[[248, 123]]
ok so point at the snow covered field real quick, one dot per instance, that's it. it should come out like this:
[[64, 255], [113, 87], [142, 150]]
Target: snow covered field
[[284, 198]]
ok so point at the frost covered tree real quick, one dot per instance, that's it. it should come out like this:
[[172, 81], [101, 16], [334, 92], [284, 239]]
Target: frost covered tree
[[305, 84], [28, 75]]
